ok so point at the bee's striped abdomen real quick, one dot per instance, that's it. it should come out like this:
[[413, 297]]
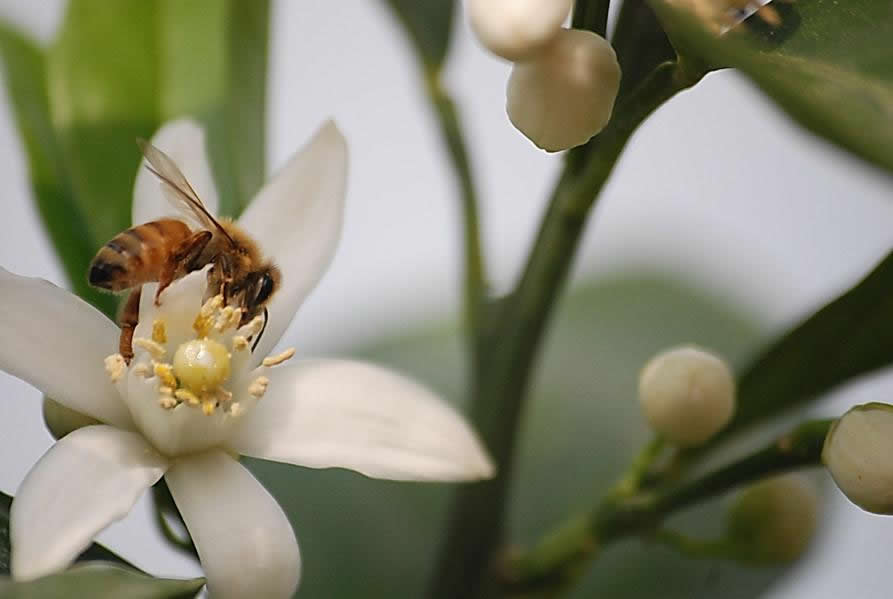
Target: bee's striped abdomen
[[136, 256]]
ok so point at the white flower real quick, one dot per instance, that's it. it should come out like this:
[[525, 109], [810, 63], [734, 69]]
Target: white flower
[[189, 427], [517, 29], [687, 395], [565, 94], [857, 452]]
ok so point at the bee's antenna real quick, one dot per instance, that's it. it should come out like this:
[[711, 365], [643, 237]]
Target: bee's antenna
[[263, 328]]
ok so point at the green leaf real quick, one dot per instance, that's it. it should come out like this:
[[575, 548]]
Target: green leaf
[[428, 23], [370, 538], [829, 66], [94, 552], [65, 221], [850, 336], [100, 581], [116, 72]]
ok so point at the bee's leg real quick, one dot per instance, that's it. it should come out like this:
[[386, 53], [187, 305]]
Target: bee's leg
[[130, 315], [184, 259]]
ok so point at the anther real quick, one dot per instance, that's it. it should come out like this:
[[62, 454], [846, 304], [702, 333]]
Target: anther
[[115, 366], [258, 387], [167, 402], [279, 358], [187, 396], [165, 372], [208, 407], [204, 320], [223, 319], [155, 349], [253, 327], [159, 331], [240, 343]]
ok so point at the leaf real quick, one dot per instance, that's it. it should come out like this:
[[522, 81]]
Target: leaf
[[829, 66], [66, 223], [93, 553], [369, 538], [428, 23], [850, 336], [100, 581], [116, 72]]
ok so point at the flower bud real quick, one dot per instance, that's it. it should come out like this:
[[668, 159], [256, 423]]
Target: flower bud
[[858, 451], [565, 95], [516, 29], [687, 395], [774, 520]]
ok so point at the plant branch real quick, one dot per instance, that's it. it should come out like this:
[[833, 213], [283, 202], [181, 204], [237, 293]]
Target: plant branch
[[558, 559], [504, 369], [475, 272]]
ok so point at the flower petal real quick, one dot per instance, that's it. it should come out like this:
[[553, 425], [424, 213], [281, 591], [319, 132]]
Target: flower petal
[[184, 141], [86, 481], [58, 343], [297, 217], [245, 542], [338, 413]]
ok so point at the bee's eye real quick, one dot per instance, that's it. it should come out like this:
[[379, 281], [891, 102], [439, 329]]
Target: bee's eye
[[265, 288]]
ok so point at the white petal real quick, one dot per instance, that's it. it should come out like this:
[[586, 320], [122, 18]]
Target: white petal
[[180, 303], [338, 413], [245, 542], [58, 343], [184, 141], [297, 219], [86, 481]]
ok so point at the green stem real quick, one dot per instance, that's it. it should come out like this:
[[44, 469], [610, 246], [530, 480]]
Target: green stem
[[697, 548], [475, 273], [559, 558], [504, 369], [638, 470]]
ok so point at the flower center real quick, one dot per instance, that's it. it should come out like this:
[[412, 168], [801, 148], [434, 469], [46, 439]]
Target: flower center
[[201, 365], [207, 367]]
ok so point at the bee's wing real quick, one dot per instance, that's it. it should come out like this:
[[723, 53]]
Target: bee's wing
[[177, 189]]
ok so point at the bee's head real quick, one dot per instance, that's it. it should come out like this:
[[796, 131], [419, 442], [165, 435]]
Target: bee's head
[[259, 287]]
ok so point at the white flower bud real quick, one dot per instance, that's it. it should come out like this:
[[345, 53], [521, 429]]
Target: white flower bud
[[858, 451], [687, 395], [517, 29], [565, 95], [774, 520]]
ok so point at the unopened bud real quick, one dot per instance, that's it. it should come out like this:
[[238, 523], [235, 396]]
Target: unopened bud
[[687, 395], [566, 94], [516, 29], [858, 451], [774, 520]]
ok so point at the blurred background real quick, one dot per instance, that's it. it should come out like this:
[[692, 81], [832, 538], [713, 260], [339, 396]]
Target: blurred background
[[719, 195]]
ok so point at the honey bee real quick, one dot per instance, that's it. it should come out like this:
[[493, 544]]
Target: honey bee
[[167, 249]]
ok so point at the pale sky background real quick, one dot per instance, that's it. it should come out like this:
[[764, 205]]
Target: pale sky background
[[718, 186]]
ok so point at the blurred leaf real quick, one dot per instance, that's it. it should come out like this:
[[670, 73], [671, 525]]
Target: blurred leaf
[[829, 66], [94, 552], [428, 23], [849, 336], [117, 71], [66, 223], [100, 581], [369, 538]]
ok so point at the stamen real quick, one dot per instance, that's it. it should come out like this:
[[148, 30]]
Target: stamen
[[240, 343], [187, 396], [236, 409], [115, 366], [258, 387], [253, 327], [204, 320], [223, 319], [155, 349], [167, 402], [159, 331], [208, 407], [279, 358], [165, 372]]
